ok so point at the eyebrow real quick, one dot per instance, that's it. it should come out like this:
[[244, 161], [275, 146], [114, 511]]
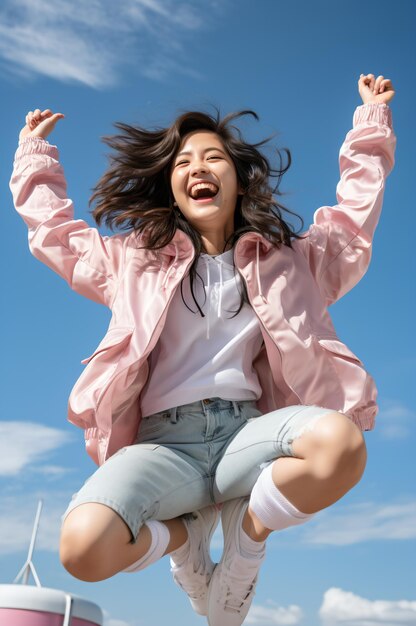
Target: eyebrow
[[206, 150]]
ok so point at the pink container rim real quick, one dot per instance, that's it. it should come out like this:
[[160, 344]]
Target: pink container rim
[[51, 600]]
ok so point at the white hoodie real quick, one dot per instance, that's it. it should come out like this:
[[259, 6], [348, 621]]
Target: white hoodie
[[204, 357]]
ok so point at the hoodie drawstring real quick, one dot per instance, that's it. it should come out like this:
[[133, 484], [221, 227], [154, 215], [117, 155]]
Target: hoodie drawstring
[[220, 296], [208, 293], [207, 261]]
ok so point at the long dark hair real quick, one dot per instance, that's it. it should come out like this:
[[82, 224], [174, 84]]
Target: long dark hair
[[135, 192]]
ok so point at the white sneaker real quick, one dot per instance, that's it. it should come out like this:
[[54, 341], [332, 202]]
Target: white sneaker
[[194, 574], [233, 582]]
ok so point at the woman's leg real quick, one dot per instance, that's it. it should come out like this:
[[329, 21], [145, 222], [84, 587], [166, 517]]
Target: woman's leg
[[328, 461], [318, 456], [96, 542], [291, 463], [105, 530]]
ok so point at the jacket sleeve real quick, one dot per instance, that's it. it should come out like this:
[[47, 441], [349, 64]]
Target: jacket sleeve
[[338, 243], [89, 262]]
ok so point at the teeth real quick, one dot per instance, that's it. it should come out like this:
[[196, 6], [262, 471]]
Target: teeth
[[198, 186]]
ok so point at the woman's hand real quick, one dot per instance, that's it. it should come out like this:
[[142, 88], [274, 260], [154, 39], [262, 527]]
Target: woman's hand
[[39, 123], [378, 90]]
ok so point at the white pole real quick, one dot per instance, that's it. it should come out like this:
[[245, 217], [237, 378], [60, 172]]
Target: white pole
[[28, 566]]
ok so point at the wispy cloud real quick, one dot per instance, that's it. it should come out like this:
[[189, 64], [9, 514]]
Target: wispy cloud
[[111, 621], [17, 515], [395, 420], [347, 609], [23, 443], [51, 471], [363, 522], [272, 614], [346, 525], [91, 43]]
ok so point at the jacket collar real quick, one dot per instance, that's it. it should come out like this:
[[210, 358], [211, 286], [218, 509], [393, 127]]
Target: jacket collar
[[181, 246], [248, 241]]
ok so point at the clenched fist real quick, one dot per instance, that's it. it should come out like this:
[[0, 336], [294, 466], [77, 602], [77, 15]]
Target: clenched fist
[[379, 90], [39, 123]]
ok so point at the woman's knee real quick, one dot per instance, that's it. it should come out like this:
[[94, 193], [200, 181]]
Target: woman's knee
[[89, 534], [335, 446]]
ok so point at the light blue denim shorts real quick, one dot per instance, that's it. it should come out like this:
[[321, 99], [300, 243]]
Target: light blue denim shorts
[[193, 455]]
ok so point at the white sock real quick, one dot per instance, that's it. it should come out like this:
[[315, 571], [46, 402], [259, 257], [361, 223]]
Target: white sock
[[160, 540], [249, 548], [270, 505]]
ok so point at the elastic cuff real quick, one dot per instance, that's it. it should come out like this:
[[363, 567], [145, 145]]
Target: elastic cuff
[[373, 112], [36, 145]]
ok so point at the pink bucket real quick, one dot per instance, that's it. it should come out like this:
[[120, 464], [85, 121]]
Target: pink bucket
[[24, 605]]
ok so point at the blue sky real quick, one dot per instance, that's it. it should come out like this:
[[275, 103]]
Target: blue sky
[[142, 61]]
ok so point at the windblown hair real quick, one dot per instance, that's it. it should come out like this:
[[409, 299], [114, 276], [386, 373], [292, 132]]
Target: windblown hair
[[135, 192]]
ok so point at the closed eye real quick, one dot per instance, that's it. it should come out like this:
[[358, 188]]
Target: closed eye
[[184, 162]]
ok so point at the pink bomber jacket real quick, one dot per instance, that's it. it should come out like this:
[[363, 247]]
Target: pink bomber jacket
[[301, 362]]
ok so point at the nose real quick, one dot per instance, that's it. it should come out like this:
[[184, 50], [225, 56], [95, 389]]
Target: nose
[[197, 167]]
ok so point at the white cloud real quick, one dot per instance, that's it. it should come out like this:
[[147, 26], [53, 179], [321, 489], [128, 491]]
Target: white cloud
[[89, 42], [348, 525], [17, 516], [347, 609], [395, 420], [23, 443], [272, 614], [111, 621], [363, 522], [51, 471]]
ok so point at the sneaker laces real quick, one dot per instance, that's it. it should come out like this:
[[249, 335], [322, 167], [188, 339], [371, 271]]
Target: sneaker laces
[[194, 586], [238, 581]]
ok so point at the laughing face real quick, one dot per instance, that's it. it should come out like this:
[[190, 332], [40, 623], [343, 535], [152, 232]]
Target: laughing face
[[204, 183]]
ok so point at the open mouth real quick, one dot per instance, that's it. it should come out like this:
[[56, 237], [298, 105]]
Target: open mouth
[[203, 191]]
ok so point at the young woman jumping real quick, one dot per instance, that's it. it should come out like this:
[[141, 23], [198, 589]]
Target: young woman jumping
[[221, 387]]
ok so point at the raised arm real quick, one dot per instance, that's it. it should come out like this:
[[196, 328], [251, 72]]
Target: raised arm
[[338, 244], [89, 262]]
